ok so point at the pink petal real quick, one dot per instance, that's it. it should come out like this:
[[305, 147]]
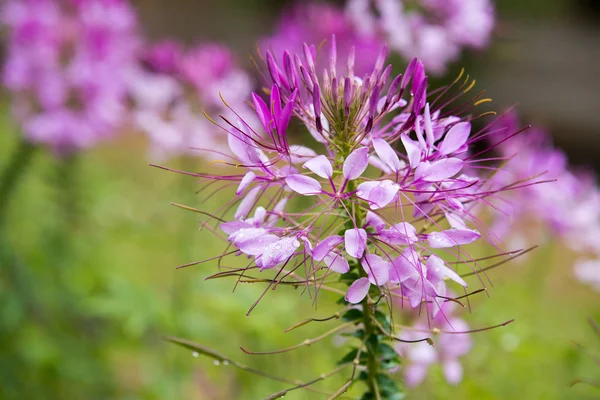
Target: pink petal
[[247, 203], [378, 193], [320, 165], [436, 267], [263, 112], [402, 233], [355, 242], [374, 220], [246, 180], [377, 269], [377, 163], [277, 211], [387, 154], [337, 263], [358, 290], [278, 252], [301, 153], [356, 163], [325, 247], [406, 266], [303, 184], [452, 237], [253, 243], [456, 137], [439, 170], [453, 372], [413, 151]]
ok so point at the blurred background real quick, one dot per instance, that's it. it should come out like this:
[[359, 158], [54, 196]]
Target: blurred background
[[90, 243]]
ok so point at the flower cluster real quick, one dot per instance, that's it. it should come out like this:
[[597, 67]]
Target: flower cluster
[[388, 190], [547, 209], [433, 30], [173, 86], [453, 341], [66, 66]]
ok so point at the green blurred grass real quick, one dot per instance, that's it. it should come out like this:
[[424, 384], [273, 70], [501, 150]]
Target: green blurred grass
[[89, 287]]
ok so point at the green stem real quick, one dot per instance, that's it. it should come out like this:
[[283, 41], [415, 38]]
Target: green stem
[[372, 362], [21, 158]]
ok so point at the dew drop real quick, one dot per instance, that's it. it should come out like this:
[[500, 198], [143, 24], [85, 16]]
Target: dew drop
[[359, 193], [225, 362], [195, 354], [296, 243], [216, 362]]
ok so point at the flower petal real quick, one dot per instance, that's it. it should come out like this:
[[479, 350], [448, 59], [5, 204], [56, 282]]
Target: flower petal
[[437, 270], [303, 184], [337, 263], [374, 220], [358, 290], [401, 233], [356, 163], [263, 112], [320, 165], [253, 241], [247, 203], [378, 193], [377, 269], [452, 237], [456, 137], [355, 242], [325, 247], [387, 154], [301, 153], [413, 151], [278, 252], [246, 180], [439, 170]]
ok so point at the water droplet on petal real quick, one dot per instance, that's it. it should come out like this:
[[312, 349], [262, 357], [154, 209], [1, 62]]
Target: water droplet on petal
[[217, 362], [225, 362], [359, 193], [195, 354]]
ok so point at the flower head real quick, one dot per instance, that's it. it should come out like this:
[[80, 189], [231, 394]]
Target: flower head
[[388, 187]]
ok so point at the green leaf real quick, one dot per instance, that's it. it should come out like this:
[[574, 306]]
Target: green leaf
[[384, 320], [352, 315], [349, 357], [387, 386], [359, 333]]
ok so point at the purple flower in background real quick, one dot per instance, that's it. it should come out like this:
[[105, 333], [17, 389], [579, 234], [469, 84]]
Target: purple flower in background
[[435, 31], [451, 341], [537, 212], [179, 84], [308, 22], [66, 67]]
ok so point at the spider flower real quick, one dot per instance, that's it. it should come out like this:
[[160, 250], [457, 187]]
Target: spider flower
[[66, 68], [387, 184], [378, 202]]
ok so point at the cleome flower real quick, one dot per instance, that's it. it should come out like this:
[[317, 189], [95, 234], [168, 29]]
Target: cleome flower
[[376, 202], [387, 201]]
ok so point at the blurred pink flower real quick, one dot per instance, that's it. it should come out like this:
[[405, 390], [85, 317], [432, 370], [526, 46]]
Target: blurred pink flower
[[66, 67]]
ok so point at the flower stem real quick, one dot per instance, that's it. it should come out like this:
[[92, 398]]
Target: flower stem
[[17, 165], [372, 362]]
